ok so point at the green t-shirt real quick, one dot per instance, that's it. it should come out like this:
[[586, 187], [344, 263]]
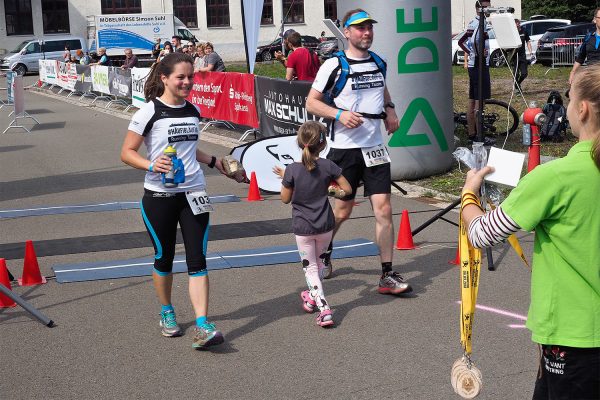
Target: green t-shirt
[[561, 201]]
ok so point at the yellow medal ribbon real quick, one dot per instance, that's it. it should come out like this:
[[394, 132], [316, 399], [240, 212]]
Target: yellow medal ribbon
[[514, 243]]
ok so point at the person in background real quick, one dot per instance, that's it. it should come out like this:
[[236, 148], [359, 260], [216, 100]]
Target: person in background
[[589, 51], [213, 60], [66, 57], [286, 47], [102, 58], [519, 60], [323, 38], [168, 48], [185, 49], [557, 200], [84, 57], [305, 184], [131, 59], [302, 63], [156, 49], [177, 47], [200, 61]]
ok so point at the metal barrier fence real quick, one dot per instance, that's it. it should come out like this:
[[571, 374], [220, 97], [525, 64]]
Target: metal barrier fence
[[564, 51]]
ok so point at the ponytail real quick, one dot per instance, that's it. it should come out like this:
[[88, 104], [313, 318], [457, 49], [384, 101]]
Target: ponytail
[[311, 139], [596, 151], [154, 87]]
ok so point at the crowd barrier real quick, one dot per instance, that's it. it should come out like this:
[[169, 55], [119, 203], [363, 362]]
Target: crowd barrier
[[271, 107], [16, 98], [564, 51]]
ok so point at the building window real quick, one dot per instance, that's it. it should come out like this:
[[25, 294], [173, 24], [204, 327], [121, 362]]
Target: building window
[[186, 11], [55, 16], [18, 17], [331, 9], [267, 13], [217, 13], [294, 11], [121, 6]]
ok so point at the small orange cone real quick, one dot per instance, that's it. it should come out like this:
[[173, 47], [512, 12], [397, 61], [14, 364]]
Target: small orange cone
[[405, 239], [5, 302], [456, 260], [253, 191], [31, 269]]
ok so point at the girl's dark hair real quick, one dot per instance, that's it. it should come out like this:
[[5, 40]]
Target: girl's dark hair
[[154, 87], [311, 139], [167, 43], [586, 83]]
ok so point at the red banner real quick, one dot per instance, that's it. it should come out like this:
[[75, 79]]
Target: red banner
[[225, 96]]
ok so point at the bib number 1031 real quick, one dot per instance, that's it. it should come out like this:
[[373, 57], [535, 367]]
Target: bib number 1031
[[199, 202], [375, 155]]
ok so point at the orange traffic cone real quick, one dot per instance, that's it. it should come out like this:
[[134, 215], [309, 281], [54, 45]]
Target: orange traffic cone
[[5, 302], [405, 239], [31, 269], [253, 191], [456, 260]]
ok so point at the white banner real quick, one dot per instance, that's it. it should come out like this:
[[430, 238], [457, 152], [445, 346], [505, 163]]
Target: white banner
[[18, 94], [48, 71], [100, 79], [138, 80], [66, 75], [252, 14]]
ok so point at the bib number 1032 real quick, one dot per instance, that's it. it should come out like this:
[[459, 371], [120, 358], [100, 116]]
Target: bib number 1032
[[199, 202], [375, 155]]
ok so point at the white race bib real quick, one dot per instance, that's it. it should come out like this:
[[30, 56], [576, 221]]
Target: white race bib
[[199, 202], [375, 155]]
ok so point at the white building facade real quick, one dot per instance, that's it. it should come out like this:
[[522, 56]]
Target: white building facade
[[217, 21]]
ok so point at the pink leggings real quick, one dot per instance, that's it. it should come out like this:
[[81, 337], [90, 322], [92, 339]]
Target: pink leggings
[[312, 249]]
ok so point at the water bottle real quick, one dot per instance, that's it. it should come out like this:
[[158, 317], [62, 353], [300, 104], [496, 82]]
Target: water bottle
[[169, 177]]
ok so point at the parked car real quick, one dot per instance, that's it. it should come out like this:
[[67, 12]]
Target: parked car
[[25, 57], [545, 44], [497, 56], [536, 29], [455, 47], [327, 48], [267, 52]]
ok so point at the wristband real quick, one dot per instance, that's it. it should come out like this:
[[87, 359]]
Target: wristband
[[212, 162], [150, 167], [337, 116]]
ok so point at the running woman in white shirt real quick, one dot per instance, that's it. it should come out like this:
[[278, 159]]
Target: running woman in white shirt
[[356, 136], [168, 119]]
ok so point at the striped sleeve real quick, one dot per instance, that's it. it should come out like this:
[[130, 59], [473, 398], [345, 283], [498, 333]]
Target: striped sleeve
[[491, 228]]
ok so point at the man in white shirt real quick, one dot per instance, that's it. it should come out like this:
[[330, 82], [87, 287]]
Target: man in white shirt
[[356, 139]]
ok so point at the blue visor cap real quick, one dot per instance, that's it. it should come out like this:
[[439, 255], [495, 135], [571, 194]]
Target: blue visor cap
[[359, 18]]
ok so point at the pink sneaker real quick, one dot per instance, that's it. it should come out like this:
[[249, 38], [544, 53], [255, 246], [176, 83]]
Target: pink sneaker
[[325, 318], [308, 304]]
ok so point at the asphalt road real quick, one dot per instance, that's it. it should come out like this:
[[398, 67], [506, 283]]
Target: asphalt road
[[107, 342]]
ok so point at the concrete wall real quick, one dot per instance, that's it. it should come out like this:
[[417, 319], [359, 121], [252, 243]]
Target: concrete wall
[[228, 41]]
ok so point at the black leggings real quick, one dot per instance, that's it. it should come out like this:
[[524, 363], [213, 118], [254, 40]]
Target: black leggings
[[161, 212]]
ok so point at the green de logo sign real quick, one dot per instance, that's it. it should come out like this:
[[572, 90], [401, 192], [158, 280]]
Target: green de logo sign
[[419, 105]]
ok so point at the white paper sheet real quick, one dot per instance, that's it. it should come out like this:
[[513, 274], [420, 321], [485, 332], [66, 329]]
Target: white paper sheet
[[508, 166]]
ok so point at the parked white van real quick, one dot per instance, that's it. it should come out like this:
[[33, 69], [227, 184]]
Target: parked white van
[[24, 58]]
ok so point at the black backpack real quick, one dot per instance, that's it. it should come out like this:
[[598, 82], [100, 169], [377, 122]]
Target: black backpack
[[555, 127]]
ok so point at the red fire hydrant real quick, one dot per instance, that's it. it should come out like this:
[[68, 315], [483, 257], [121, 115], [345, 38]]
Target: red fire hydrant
[[534, 118]]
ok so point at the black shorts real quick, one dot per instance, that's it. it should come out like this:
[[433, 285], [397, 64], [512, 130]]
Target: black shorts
[[568, 373], [474, 83], [161, 213], [377, 179]]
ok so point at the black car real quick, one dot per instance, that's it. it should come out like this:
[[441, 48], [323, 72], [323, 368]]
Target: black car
[[565, 50], [327, 48], [267, 52]]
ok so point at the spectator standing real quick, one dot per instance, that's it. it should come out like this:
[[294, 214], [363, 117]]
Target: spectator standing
[[177, 47], [286, 47], [469, 42], [519, 61], [84, 58], [168, 48], [131, 59], [156, 49], [323, 38], [66, 57], [559, 201], [103, 58], [302, 63], [357, 113], [213, 60], [163, 208], [589, 51], [200, 61]]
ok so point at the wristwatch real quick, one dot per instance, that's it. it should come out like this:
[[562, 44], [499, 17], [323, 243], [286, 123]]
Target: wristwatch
[[389, 104]]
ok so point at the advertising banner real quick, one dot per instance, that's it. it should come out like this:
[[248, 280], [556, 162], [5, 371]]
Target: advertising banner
[[282, 105], [135, 31], [84, 78], [119, 82], [18, 93], [138, 80], [49, 71], [66, 75], [10, 81], [100, 79], [414, 37], [225, 96]]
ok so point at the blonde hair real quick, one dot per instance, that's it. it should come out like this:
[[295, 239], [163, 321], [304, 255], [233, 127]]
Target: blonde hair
[[586, 84], [311, 139]]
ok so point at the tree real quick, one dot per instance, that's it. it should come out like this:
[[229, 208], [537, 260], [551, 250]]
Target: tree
[[575, 10]]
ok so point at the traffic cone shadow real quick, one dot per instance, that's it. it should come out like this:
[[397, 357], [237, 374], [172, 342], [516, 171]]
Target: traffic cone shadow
[[254, 191], [5, 301], [405, 238], [31, 269]]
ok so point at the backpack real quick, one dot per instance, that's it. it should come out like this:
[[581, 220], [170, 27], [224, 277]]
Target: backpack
[[556, 119], [338, 85]]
